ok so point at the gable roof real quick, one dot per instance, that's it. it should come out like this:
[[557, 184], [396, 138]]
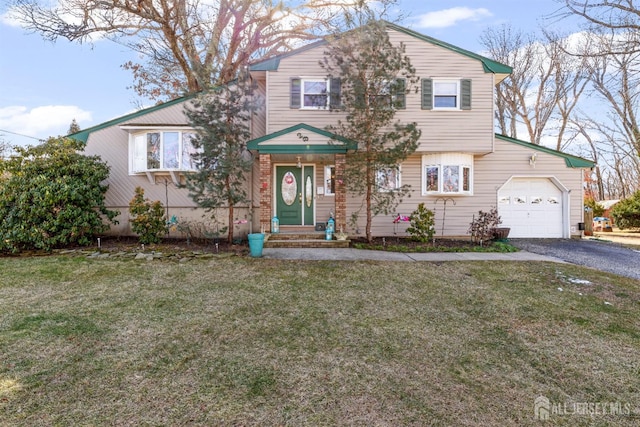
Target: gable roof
[[340, 145], [570, 160], [83, 135], [489, 65]]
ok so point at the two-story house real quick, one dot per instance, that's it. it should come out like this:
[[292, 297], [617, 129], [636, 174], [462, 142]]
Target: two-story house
[[460, 167]]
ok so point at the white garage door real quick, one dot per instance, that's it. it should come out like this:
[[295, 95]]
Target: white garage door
[[531, 207]]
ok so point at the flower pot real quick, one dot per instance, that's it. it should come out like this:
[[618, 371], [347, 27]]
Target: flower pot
[[256, 243], [501, 233]]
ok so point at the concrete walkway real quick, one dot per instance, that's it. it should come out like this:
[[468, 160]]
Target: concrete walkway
[[349, 254]]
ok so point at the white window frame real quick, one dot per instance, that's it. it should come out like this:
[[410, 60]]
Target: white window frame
[[456, 93], [385, 173], [444, 164], [139, 154], [328, 177], [390, 97], [327, 93]]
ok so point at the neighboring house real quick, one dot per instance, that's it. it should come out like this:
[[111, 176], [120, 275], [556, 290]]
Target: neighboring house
[[608, 205], [461, 166]]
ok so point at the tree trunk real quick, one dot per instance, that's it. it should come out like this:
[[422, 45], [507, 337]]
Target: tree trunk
[[230, 219]]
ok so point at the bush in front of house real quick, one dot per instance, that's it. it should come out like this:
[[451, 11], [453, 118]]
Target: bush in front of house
[[51, 195], [422, 224], [482, 227], [148, 219], [626, 213]]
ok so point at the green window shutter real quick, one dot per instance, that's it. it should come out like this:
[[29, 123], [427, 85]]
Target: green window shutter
[[400, 95], [427, 94], [296, 91], [358, 94], [334, 93], [465, 94]]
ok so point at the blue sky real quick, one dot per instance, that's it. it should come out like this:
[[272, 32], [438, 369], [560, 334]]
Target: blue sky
[[44, 85]]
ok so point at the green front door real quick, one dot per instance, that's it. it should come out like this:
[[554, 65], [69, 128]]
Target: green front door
[[294, 195]]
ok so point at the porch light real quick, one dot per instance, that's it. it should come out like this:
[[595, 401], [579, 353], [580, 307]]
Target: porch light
[[299, 164]]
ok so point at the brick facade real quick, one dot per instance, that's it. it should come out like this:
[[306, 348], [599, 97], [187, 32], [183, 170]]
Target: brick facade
[[265, 192], [341, 193]]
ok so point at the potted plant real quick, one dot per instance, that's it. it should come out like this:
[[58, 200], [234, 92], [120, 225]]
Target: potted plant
[[501, 233], [340, 235]]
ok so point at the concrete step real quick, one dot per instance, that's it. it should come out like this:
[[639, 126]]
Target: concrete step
[[276, 242], [298, 236]]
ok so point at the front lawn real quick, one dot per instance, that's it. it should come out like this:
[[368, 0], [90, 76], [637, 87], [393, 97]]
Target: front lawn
[[238, 341]]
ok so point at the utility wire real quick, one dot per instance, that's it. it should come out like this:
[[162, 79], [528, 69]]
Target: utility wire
[[20, 134]]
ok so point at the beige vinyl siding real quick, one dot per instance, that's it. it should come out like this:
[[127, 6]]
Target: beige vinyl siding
[[258, 120], [325, 205], [470, 131], [112, 145], [169, 116], [512, 160], [490, 172]]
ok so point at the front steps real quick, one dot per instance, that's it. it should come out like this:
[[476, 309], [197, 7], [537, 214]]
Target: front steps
[[302, 240]]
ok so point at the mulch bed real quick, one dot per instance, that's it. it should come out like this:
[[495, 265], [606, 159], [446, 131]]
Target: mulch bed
[[241, 247]]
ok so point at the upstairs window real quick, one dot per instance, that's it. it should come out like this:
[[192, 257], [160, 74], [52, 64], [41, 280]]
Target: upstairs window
[[162, 151], [446, 94], [314, 93], [391, 94]]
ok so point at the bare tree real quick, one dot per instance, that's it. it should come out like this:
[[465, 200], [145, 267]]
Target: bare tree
[[619, 16], [612, 47], [569, 82], [544, 87], [188, 44], [586, 129], [615, 79], [512, 47]]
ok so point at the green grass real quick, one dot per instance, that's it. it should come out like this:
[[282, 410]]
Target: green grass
[[241, 341], [409, 246]]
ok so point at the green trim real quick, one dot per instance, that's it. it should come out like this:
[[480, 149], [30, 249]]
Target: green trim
[[272, 64], [347, 144], [570, 160], [83, 135], [303, 149], [489, 65]]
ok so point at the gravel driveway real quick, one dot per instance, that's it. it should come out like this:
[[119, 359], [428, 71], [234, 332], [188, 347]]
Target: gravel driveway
[[605, 256]]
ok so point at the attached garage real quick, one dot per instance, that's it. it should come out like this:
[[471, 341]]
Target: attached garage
[[533, 207]]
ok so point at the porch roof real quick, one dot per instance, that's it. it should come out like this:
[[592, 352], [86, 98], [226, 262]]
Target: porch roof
[[302, 139]]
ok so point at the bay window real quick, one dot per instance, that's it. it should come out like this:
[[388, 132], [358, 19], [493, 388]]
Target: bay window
[[162, 151], [447, 173]]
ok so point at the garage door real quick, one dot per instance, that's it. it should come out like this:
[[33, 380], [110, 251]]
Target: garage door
[[531, 207]]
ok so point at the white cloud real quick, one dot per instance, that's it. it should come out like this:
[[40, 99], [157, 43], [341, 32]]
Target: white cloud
[[449, 17], [41, 122], [10, 18]]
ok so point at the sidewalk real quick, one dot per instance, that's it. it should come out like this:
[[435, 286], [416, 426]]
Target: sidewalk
[[349, 254]]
